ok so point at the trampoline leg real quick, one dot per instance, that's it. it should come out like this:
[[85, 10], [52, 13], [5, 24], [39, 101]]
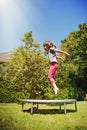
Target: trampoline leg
[[22, 106], [65, 108], [31, 107], [75, 106], [37, 106], [60, 106]]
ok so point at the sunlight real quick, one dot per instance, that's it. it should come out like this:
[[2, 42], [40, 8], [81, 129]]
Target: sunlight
[[4, 3], [11, 16], [16, 16], [9, 13]]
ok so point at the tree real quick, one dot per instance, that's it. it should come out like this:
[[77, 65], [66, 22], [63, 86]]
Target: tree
[[76, 45], [27, 70], [28, 40]]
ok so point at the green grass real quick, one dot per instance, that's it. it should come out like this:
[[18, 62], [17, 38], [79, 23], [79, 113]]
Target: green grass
[[46, 118]]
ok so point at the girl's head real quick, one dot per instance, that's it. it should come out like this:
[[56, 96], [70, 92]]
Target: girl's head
[[47, 45]]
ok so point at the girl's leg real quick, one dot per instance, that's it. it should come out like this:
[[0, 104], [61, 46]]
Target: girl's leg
[[52, 70], [55, 88]]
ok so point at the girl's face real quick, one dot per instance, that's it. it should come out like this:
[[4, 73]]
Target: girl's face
[[46, 47]]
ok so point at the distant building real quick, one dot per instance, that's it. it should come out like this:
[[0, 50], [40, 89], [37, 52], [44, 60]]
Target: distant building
[[4, 57]]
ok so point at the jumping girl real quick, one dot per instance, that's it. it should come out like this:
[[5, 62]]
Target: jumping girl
[[51, 51]]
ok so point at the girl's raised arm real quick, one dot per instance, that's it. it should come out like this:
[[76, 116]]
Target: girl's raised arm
[[63, 52]]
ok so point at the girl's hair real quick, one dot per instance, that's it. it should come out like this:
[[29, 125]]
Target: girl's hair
[[49, 43]]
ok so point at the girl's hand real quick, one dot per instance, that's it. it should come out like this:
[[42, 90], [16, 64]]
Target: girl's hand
[[61, 58], [67, 54]]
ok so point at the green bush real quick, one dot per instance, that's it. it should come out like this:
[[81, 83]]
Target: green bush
[[7, 92]]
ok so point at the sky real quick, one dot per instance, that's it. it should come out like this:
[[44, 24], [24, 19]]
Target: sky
[[47, 19]]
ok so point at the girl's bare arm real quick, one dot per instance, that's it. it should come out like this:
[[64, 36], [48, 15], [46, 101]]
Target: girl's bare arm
[[63, 52], [60, 57]]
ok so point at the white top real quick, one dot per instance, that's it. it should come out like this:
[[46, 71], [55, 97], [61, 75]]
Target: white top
[[52, 55]]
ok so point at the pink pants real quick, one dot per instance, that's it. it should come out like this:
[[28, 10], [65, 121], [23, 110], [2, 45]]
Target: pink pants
[[52, 70]]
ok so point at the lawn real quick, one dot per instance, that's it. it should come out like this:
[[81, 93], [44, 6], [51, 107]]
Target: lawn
[[48, 117]]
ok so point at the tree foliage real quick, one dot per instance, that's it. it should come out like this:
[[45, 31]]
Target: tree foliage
[[27, 70], [29, 41], [76, 45]]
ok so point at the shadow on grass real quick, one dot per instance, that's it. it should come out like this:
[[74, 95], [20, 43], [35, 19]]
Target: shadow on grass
[[48, 111], [81, 127]]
